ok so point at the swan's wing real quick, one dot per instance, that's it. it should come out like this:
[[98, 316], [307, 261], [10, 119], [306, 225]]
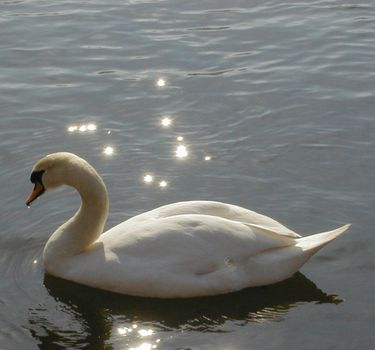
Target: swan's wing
[[223, 210], [189, 235], [177, 256]]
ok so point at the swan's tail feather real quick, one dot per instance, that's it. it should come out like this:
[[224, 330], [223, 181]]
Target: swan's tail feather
[[314, 242]]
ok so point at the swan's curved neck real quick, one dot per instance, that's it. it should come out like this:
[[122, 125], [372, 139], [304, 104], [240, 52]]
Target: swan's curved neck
[[84, 228]]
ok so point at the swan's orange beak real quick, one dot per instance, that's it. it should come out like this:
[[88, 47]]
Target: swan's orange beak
[[37, 191]]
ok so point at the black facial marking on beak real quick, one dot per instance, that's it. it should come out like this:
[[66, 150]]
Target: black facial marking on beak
[[36, 179], [36, 176]]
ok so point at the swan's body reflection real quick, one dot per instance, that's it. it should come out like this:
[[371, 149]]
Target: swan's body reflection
[[96, 311]]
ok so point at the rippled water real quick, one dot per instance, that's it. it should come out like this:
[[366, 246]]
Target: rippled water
[[265, 104]]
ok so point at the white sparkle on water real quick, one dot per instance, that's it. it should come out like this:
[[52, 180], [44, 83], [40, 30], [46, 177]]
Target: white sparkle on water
[[166, 122], [145, 332], [163, 184], [181, 151], [108, 150], [144, 346], [123, 330], [72, 128], [82, 127], [148, 178], [161, 82], [91, 127]]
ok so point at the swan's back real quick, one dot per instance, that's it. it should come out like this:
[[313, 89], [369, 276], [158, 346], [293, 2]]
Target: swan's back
[[218, 209]]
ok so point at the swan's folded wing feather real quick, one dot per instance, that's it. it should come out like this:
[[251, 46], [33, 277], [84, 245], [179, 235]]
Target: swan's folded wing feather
[[186, 235], [289, 241], [219, 209]]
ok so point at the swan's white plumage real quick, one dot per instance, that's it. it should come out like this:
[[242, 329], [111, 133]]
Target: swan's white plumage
[[184, 249]]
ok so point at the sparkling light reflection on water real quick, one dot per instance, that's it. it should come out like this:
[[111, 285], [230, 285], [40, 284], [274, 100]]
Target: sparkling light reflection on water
[[148, 178], [268, 105], [181, 151], [108, 150], [166, 122]]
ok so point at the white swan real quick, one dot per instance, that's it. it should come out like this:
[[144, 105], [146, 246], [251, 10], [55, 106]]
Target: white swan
[[185, 249]]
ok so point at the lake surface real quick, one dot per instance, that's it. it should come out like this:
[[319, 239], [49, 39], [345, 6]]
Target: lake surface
[[271, 104]]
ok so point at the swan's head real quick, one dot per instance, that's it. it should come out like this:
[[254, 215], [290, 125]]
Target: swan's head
[[52, 171]]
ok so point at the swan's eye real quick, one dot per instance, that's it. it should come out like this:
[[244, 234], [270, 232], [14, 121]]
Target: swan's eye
[[36, 176]]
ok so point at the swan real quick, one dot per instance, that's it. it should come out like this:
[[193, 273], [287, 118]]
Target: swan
[[181, 250]]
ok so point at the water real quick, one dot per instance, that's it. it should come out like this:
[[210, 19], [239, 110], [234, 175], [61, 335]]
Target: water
[[278, 95]]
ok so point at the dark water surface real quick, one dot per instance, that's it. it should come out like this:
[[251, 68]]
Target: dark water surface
[[275, 103]]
